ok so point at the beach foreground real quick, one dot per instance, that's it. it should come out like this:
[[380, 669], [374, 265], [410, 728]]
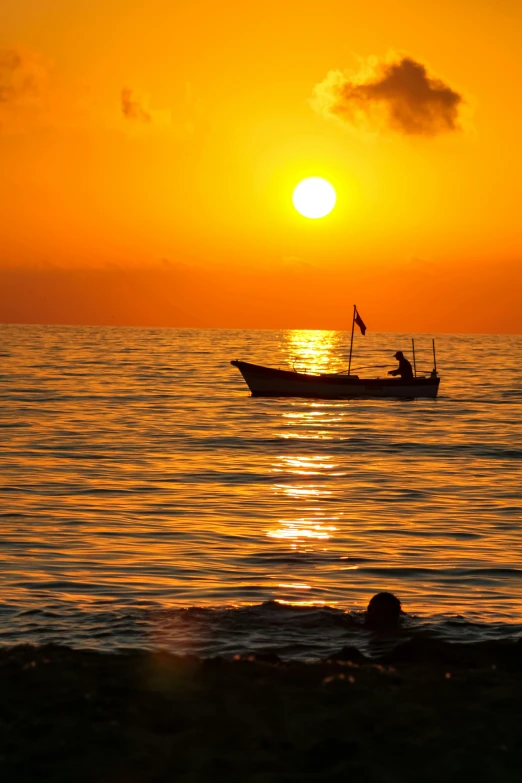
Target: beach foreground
[[427, 711]]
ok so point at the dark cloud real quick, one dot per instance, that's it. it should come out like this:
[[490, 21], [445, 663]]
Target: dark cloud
[[398, 95], [131, 108], [22, 76]]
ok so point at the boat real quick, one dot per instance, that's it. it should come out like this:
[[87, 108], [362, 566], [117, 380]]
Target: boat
[[271, 382]]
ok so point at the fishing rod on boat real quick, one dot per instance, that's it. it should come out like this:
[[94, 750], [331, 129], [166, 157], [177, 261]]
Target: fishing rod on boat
[[413, 350]]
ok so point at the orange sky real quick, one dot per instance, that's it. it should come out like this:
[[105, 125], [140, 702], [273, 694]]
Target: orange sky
[[148, 153]]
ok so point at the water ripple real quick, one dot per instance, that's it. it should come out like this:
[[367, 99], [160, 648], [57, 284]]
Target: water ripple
[[141, 484]]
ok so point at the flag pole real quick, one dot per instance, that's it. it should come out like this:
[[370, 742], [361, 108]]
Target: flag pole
[[351, 341]]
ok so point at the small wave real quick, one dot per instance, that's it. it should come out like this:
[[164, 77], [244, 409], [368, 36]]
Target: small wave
[[291, 632]]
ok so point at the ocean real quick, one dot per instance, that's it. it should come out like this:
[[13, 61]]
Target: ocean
[[149, 502]]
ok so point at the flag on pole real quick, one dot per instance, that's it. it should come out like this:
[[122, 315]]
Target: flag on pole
[[360, 323]]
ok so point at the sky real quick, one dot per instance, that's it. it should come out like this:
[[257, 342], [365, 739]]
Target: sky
[[148, 154]]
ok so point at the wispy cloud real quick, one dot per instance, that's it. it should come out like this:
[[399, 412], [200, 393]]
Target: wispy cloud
[[132, 108], [23, 77], [397, 94], [24, 89]]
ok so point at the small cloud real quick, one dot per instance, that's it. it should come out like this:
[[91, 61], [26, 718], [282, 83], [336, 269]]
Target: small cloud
[[22, 76], [397, 94], [24, 90], [131, 108]]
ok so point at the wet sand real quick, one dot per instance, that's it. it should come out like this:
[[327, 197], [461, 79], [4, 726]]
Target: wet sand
[[428, 711]]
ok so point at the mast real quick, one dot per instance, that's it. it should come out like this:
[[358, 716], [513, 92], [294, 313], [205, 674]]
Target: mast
[[351, 341], [434, 358], [413, 349]]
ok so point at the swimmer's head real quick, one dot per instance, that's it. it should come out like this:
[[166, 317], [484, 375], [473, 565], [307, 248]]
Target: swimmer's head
[[383, 612]]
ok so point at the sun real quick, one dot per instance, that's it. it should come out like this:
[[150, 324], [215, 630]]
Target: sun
[[314, 197]]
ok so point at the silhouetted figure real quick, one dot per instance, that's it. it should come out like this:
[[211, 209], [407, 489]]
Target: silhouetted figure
[[383, 612], [404, 368]]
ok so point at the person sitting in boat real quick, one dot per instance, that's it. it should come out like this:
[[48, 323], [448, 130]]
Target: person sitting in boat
[[404, 369]]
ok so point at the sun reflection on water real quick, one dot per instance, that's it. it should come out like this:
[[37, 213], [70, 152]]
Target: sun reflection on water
[[296, 530], [313, 351], [309, 527], [303, 485]]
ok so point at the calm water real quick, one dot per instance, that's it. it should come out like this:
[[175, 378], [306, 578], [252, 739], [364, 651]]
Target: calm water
[[149, 501]]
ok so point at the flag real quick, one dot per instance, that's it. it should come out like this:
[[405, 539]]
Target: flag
[[360, 323]]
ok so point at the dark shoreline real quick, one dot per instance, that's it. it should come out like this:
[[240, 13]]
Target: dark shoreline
[[426, 711]]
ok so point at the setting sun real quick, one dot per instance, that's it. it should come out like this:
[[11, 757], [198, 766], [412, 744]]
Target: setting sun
[[314, 197]]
